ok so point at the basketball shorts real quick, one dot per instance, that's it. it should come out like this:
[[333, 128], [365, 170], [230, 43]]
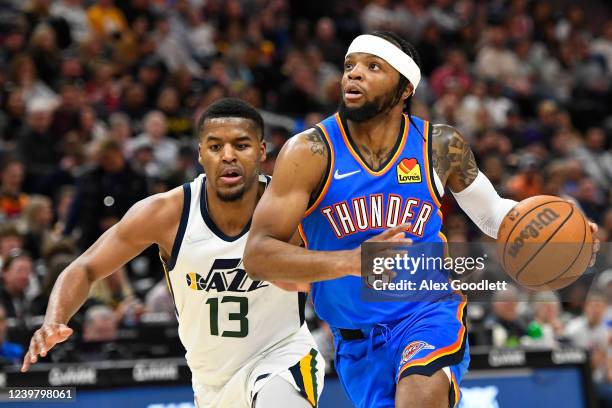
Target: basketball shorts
[[295, 359], [371, 363]]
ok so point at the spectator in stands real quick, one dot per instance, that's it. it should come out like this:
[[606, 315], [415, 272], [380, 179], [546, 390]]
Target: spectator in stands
[[90, 127], [159, 300], [602, 45], [495, 61], [453, 73], [12, 198], [100, 324], [10, 353], [10, 240], [506, 327], [38, 217], [177, 118], [45, 54], [589, 331], [66, 115], [17, 270], [113, 290], [75, 15], [325, 40], [105, 19], [53, 267], [37, 146], [547, 327], [595, 157], [24, 74], [165, 150], [104, 193], [528, 182], [12, 118]]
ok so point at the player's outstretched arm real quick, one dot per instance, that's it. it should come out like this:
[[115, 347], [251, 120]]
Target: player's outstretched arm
[[454, 163], [147, 222], [299, 169]]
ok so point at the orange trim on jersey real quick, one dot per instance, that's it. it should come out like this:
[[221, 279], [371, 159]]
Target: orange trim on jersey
[[329, 174], [456, 390], [431, 187], [389, 165], [445, 240], [450, 349], [303, 235]]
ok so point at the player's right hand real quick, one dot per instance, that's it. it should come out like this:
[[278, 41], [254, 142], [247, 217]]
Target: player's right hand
[[395, 234], [43, 340]]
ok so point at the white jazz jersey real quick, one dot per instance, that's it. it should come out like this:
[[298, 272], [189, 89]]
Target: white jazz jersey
[[225, 318]]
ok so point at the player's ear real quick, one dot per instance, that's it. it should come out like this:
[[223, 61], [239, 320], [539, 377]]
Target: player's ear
[[200, 147], [408, 91], [262, 149]]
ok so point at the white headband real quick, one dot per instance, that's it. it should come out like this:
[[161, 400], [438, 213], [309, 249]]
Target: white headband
[[398, 59]]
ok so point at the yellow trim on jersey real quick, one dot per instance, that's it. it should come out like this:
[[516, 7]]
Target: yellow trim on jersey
[[302, 235], [456, 390], [431, 188], [391, 162], [308, 376], [329, 173], [168, 284]]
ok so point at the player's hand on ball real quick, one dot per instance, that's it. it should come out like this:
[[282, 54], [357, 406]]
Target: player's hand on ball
[[596, 242], [395, 235], [43, 340]]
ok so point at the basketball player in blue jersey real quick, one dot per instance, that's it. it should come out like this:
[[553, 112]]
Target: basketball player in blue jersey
[[373, 172], [246, 341]]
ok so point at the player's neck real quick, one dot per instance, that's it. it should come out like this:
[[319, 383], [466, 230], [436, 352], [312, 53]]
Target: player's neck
[[379, 133], [232, 216]]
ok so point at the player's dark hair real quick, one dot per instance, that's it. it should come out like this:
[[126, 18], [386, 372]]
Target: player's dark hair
[[231, 108], [409, 49]]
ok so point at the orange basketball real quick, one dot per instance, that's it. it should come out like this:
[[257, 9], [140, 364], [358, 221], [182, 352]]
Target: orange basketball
[[545, 243]]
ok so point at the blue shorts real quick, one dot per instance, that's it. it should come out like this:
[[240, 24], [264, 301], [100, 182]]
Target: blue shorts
[[433, 337]]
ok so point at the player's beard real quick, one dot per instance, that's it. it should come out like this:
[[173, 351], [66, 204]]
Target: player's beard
[[236, 195], [370, 109], [231, 196]]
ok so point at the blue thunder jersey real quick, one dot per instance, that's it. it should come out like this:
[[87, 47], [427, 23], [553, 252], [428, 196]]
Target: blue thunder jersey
[[357, 203]]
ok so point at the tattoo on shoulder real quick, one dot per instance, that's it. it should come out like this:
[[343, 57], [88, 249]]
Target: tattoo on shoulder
[[317, 145], [452, 156]]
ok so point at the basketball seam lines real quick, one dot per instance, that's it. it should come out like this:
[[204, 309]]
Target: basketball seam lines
[[574, 261], [544, 243], [518, 222]]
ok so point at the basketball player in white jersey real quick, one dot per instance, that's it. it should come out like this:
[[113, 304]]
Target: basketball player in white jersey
[[247, 343]]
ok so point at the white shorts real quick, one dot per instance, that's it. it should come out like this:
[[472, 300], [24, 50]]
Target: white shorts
[[295, 359]]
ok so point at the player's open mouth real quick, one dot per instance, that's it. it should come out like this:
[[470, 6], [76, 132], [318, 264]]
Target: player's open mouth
[[352, 93], [230, 176]]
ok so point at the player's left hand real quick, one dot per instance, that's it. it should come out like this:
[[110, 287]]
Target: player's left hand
[[596, 243]]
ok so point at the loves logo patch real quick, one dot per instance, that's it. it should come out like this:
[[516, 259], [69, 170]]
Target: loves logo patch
[[409, 171], [413, 348]]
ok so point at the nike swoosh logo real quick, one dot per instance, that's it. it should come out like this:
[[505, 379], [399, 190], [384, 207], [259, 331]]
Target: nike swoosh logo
[[338, 176]]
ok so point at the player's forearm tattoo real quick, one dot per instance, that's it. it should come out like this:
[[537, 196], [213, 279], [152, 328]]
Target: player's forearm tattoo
[[451, 155], [317, 146]]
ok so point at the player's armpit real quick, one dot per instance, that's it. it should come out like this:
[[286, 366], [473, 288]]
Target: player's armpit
[[452, 158]]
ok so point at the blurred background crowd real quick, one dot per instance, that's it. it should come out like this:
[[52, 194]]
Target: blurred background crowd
[[98, 100]]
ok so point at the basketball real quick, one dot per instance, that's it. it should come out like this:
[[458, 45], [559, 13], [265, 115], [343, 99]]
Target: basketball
[[544, 243]]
